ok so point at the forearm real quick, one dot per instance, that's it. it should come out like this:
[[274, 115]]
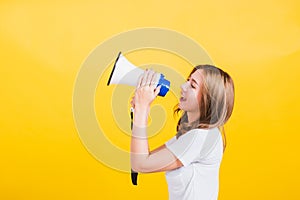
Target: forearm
[[139, 139], [142, 160]]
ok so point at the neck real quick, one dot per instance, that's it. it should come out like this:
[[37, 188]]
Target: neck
[[192, 116]]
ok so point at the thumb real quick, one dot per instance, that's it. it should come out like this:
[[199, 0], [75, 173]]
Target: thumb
[[157, 90]]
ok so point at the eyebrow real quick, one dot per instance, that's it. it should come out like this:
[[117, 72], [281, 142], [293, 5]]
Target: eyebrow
[[193, 80]]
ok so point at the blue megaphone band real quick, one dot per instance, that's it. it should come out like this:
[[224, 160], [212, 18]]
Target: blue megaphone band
[[165, 85]]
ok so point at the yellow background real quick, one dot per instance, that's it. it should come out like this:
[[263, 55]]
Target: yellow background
[[44, 43]]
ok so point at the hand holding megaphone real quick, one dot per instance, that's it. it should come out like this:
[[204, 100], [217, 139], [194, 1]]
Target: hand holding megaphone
[[126, 73], [147, 89]]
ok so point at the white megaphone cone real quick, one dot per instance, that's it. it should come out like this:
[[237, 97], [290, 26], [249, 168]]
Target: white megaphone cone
[[126, 73]]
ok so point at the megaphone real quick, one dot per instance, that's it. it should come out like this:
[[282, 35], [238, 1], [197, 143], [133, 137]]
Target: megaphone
[[124, 72]]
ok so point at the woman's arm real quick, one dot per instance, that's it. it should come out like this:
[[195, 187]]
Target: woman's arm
[[141, 159], [157, 149], [160, 159]]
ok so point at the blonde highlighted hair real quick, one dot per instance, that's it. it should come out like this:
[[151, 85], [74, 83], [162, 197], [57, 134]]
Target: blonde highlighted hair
[[216, 102]]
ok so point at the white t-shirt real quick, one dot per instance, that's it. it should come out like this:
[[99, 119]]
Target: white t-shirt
[[200, 151]]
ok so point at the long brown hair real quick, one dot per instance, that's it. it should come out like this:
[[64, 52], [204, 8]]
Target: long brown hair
[[216, 102]]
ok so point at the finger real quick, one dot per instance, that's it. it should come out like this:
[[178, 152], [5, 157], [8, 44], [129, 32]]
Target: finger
[[155, 79], [150, 81], [141, 79], [132, 102], [157, 90], [147, 78], [152, 78]]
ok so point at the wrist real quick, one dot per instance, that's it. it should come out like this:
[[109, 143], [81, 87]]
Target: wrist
[[141, 113], [141, 109]]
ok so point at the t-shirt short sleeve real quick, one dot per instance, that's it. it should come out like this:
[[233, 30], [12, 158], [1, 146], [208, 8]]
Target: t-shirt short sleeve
[[169, 142], [188, 146]]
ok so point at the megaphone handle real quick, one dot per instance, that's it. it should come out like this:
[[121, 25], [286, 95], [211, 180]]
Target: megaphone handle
[[131, 117], [134, 174]]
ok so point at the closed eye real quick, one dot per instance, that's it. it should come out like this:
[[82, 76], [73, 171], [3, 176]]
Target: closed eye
[[193, 83]]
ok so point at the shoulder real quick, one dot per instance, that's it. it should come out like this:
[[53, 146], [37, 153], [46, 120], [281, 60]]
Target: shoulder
[[201, 136], [200, 132]]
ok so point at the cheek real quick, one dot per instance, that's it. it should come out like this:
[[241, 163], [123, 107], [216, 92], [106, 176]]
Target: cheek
[[194, 100], [199, 93], [197, 99]]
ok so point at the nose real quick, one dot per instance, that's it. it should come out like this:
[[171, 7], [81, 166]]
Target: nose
[[184, 86]]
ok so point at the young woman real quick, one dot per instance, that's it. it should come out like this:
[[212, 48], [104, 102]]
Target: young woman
[[192, 158]]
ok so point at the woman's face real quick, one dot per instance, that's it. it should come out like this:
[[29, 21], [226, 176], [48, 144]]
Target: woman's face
[[191, 93]]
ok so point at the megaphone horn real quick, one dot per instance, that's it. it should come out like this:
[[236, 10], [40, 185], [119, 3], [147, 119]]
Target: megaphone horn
[[124, 72]]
